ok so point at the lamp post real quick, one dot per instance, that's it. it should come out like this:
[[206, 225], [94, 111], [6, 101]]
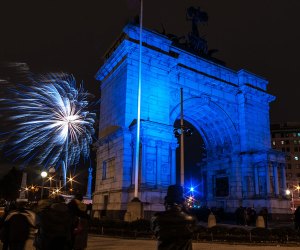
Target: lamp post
[[50, 184], [181, 132], [71, 184], [290, 192], [26, 192], [51, 178], [44, 175], [298, 189], [181, 140]]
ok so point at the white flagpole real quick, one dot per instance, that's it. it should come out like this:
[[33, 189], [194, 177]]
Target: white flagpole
[[138, 125]]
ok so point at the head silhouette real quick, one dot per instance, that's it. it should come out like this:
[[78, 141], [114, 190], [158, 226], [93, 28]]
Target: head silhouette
[[174, 195]]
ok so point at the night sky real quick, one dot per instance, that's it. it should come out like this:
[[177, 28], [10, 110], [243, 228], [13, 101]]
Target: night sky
[[261, 36]]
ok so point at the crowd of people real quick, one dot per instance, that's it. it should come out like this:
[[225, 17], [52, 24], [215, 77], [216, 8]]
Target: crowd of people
[[297, 218], [50, 224], [54, 224], [245, 216]]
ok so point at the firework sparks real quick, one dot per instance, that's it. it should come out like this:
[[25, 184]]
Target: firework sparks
[[51, 122]]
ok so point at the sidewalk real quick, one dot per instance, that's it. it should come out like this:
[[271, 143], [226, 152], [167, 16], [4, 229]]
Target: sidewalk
[[96, 242], [106, 243]]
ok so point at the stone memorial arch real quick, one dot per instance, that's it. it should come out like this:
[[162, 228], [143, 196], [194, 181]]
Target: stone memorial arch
[[230, 110]]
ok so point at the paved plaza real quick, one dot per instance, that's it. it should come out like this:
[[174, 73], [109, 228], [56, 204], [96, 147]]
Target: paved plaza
[[106, 243], [96, 242]]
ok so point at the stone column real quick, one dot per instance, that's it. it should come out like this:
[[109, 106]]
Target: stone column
[[158, 162], [256, 180], [173, 163], [236, 185], [23, 186], [204, 184], [210, 178], [275, 176], [246, 186], [283, 177], [268, 187], [201, 186], [89, 185]]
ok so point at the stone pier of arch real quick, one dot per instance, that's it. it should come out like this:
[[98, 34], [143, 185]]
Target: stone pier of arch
[[229, 109]]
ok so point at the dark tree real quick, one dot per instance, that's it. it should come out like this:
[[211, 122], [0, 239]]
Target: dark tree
[[10, 184]]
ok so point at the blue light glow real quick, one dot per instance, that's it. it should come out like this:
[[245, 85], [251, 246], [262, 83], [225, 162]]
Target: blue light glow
[[51, 122], [192, 189]]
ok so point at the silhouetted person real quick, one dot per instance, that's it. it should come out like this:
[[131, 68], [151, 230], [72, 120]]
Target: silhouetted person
[[80, 223], [18, 226], [240, 215], [248, 216], [174, 227], [252, 216], [297, 218], [54, 223], [10, 206], [89, 209]]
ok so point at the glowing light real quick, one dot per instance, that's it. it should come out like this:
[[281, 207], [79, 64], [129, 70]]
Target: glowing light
[[72, 179], [44, 174], [51, 124], [287, 192], [192, 188]]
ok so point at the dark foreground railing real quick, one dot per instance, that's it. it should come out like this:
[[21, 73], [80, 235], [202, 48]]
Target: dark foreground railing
[[218, 233], [248, 235]]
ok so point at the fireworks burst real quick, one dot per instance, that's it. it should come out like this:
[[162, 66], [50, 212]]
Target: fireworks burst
[[51, 123]]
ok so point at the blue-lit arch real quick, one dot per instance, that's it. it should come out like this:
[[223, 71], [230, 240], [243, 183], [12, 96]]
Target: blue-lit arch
[[228, 108]]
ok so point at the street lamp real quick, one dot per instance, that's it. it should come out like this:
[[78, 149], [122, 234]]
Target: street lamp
[[290, 192], [71, 183], [44, 175], [51, 178], [26, 192], [181, 132], [298, 189]]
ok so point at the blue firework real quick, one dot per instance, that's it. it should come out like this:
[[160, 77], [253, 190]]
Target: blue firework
[[51, 122]]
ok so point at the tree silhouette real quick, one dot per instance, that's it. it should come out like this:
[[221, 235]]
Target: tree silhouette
[[10, 184]]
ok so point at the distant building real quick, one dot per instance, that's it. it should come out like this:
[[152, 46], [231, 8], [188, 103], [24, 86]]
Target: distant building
[[286, 138]]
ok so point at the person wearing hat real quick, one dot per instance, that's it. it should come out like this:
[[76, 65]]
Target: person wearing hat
[[174, 227], [54, 223], [80, 222]]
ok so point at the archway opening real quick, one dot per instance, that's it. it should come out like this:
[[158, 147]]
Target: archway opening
[[194, 160]]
